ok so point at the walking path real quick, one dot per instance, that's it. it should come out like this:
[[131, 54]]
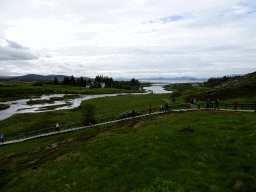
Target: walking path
[[85, 127]]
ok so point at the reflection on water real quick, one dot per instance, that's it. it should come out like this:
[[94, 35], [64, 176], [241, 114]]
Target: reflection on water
[[20, 106], [157, 88]]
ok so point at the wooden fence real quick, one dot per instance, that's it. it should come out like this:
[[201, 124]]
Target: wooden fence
[[101, 120]]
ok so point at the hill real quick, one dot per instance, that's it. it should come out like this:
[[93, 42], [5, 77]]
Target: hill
[[39, 77], [234, 88]]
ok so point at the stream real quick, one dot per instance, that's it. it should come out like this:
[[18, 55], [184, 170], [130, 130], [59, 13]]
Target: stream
[[20, 106]]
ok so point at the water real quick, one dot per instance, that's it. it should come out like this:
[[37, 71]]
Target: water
[[157, 88], [172, 81], [20, 106]]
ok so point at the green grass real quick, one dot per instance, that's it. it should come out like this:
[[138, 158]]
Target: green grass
[[14, 91], [4, 106], [218, 156], [106, 106]]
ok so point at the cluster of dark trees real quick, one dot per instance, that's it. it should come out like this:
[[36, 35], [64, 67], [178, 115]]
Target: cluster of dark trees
[[109, 82], [81, 82], [129, 85], [215, 81]]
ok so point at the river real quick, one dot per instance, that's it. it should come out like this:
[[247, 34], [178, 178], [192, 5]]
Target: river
[[20, 106]]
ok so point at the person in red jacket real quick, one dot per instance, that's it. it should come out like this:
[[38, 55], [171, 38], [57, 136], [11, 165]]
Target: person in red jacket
[[235, 105], [150, 108]]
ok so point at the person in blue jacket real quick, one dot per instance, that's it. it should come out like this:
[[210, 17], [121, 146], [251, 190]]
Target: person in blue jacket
[[207, 103], [2, 137]]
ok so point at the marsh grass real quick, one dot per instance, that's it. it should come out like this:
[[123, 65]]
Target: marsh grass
[[15, 91], [106, 106], [218, 156]]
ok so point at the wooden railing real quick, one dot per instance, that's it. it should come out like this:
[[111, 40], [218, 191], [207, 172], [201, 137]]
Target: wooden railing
[[242, 105], [101, 120], [124, 116]]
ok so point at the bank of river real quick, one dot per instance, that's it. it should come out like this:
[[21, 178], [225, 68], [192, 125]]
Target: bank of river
[[20, 106]]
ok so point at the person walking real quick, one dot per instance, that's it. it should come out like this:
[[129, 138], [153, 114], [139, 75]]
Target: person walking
[[133, 113], [216, 104], [194, 101], [57, 127], [2, 137], [235, 105], [150, 108], [199, 104], [166, 107], [191, 100], [161, 108], [207, 103], [90, 122]]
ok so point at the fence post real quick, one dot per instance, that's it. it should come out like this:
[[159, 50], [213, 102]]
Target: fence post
[[242, 106]]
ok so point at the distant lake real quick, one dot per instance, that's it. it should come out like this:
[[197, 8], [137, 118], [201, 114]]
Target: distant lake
[[172, 81]]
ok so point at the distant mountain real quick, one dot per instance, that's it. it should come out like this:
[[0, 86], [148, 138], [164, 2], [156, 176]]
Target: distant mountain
[[173, 78], [39, 77]]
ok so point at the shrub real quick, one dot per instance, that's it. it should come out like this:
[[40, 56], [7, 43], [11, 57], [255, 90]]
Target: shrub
[[88, 112]]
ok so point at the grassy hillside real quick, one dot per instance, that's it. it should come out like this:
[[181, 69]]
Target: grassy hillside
[[186, 151], [192, 151], [242, 87]]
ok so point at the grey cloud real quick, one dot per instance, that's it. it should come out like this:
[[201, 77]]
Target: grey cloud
[[15, 45], [15, 51]]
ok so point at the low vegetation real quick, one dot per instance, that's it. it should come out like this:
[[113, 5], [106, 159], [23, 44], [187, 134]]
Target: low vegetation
[[4, 106], [52, 99], [12, 90], [175, 151], [140, 155]]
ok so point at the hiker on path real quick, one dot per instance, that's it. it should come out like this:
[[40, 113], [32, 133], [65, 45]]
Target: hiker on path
[[90, 124], [166, 107], [133, 113], [191, 101], [173, 99], [216, 104], [194, 101], [57, 127], [199, 104], [207, 103], [150, 108], [161, 108], [2, 137], [235, 105]]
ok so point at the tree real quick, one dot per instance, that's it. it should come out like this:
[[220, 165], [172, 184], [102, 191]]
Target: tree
[[55, 81], [133, 82], [72, 81], [66, 81], [88, 112]]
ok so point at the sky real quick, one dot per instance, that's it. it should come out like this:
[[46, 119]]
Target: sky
[[128, 38]]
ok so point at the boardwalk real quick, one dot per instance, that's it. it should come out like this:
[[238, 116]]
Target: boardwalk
[[99, 124]]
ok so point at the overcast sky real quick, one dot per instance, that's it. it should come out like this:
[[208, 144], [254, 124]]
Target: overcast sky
[[128, 38]]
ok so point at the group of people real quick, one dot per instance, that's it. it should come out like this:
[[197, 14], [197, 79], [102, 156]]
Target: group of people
[[161, 108], [208, 103]]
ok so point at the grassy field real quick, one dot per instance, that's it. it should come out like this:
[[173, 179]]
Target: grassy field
[[184, 151], [13, 91], [217, 155], [106, 106]]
